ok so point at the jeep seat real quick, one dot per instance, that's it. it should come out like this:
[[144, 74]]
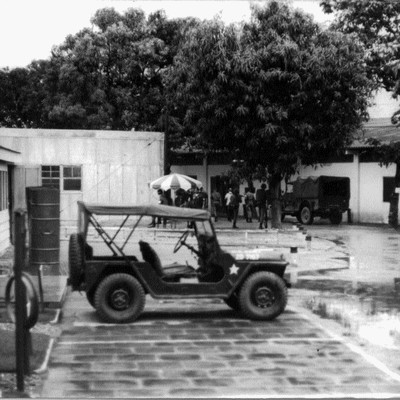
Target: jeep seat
[[171, 272]]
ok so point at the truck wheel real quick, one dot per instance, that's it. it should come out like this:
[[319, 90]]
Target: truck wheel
[[75, 260], [336, 217], [119, 298], [305, 215], [233, 302], [263, 296]]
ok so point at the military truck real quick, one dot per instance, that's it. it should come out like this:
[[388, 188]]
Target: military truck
[[322, 196]]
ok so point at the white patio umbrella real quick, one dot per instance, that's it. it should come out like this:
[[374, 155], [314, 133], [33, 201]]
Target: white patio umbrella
[[175, 181]]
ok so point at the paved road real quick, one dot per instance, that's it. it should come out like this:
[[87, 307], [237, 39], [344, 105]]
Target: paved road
[[203, 349]]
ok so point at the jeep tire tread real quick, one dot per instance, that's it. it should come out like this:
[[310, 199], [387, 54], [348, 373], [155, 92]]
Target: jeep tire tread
[[119, 298], [263, 296], [75, 260]]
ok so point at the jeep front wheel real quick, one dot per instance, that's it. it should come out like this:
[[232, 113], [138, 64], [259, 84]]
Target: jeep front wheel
[[119, 298], [263, 296], [305, 215]]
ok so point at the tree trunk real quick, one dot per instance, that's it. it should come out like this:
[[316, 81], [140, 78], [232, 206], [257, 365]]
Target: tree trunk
[[276, 210], [394, 201]]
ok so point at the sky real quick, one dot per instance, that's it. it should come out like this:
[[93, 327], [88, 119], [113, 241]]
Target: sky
[[30, 28]]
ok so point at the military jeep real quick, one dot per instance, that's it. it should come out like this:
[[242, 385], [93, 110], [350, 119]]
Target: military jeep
[[322, 196], [116, 284]]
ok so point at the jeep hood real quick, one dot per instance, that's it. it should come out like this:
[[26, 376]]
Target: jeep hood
[[258, 255]]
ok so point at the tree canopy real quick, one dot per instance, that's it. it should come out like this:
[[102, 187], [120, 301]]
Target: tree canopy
[[106, 77], [277, 90], [377, 24]]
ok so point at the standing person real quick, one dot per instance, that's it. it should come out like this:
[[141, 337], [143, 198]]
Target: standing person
[[227, 199], [204, 198], [179, 198], [249, 200], [197, 199], [261, 200], [163, 200], [216, 202], [234, 205]]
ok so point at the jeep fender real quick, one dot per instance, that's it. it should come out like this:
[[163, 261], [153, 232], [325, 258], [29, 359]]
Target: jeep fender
[[247, 268]]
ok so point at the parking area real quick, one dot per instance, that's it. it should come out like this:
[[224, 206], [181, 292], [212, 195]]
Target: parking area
[[201, 348]]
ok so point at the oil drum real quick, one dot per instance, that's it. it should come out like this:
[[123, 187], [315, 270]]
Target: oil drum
[[43, 204]]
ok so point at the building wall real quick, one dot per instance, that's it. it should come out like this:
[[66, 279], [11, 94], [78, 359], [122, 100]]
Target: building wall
[[372, 207], [4, 213], [366, 185], [116, 166]]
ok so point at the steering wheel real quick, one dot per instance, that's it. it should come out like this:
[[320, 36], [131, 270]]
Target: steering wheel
[[181, 241]]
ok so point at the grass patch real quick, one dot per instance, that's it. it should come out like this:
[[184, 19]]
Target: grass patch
[[40, 344]]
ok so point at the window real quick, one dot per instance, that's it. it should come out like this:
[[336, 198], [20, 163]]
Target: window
[[72, 178], [388, 188], [3, 190], [70, 175], [51, 176]]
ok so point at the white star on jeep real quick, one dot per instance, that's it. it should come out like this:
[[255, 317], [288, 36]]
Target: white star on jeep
[[234, 270]]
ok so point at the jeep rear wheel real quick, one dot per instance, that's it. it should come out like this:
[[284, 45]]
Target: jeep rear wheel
[[263, 296], [119, 298], [75, 260], [305, 215]]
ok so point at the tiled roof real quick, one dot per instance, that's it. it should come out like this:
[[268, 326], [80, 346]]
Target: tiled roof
[[378, 128]]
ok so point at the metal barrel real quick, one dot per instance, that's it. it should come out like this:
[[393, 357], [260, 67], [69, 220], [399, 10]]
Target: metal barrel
[[43, 204]]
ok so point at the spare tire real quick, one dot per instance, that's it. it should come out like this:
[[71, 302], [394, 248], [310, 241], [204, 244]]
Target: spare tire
[[75, 260]]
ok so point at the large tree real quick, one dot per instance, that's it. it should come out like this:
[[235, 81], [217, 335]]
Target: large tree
[[22, 96], [377, 24], [105, 77], [277, 91]]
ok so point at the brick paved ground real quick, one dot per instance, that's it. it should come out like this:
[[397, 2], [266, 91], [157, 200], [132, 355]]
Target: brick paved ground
[[203, 349]]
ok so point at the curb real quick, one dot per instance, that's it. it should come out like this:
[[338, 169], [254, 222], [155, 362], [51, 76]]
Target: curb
[[44, 367]]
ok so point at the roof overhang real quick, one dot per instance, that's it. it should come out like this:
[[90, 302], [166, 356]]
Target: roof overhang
[[10, 156]]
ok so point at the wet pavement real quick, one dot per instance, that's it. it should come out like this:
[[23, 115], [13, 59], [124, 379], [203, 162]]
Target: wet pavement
[[339, 336], [201, 348]]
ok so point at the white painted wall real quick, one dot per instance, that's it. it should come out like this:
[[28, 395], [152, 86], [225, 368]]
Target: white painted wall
[[4, 220], [366, 185]]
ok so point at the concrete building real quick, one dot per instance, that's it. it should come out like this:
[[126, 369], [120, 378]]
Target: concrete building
[[371, 184], [95, 166], [8, 158]]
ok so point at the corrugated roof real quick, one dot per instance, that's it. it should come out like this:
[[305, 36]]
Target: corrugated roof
[[378, 128]]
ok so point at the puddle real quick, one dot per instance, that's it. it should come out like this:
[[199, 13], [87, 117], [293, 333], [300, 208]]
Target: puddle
[[372, 314]]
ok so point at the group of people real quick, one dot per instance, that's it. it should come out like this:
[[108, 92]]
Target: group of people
[[192, 198], [253, 201]]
